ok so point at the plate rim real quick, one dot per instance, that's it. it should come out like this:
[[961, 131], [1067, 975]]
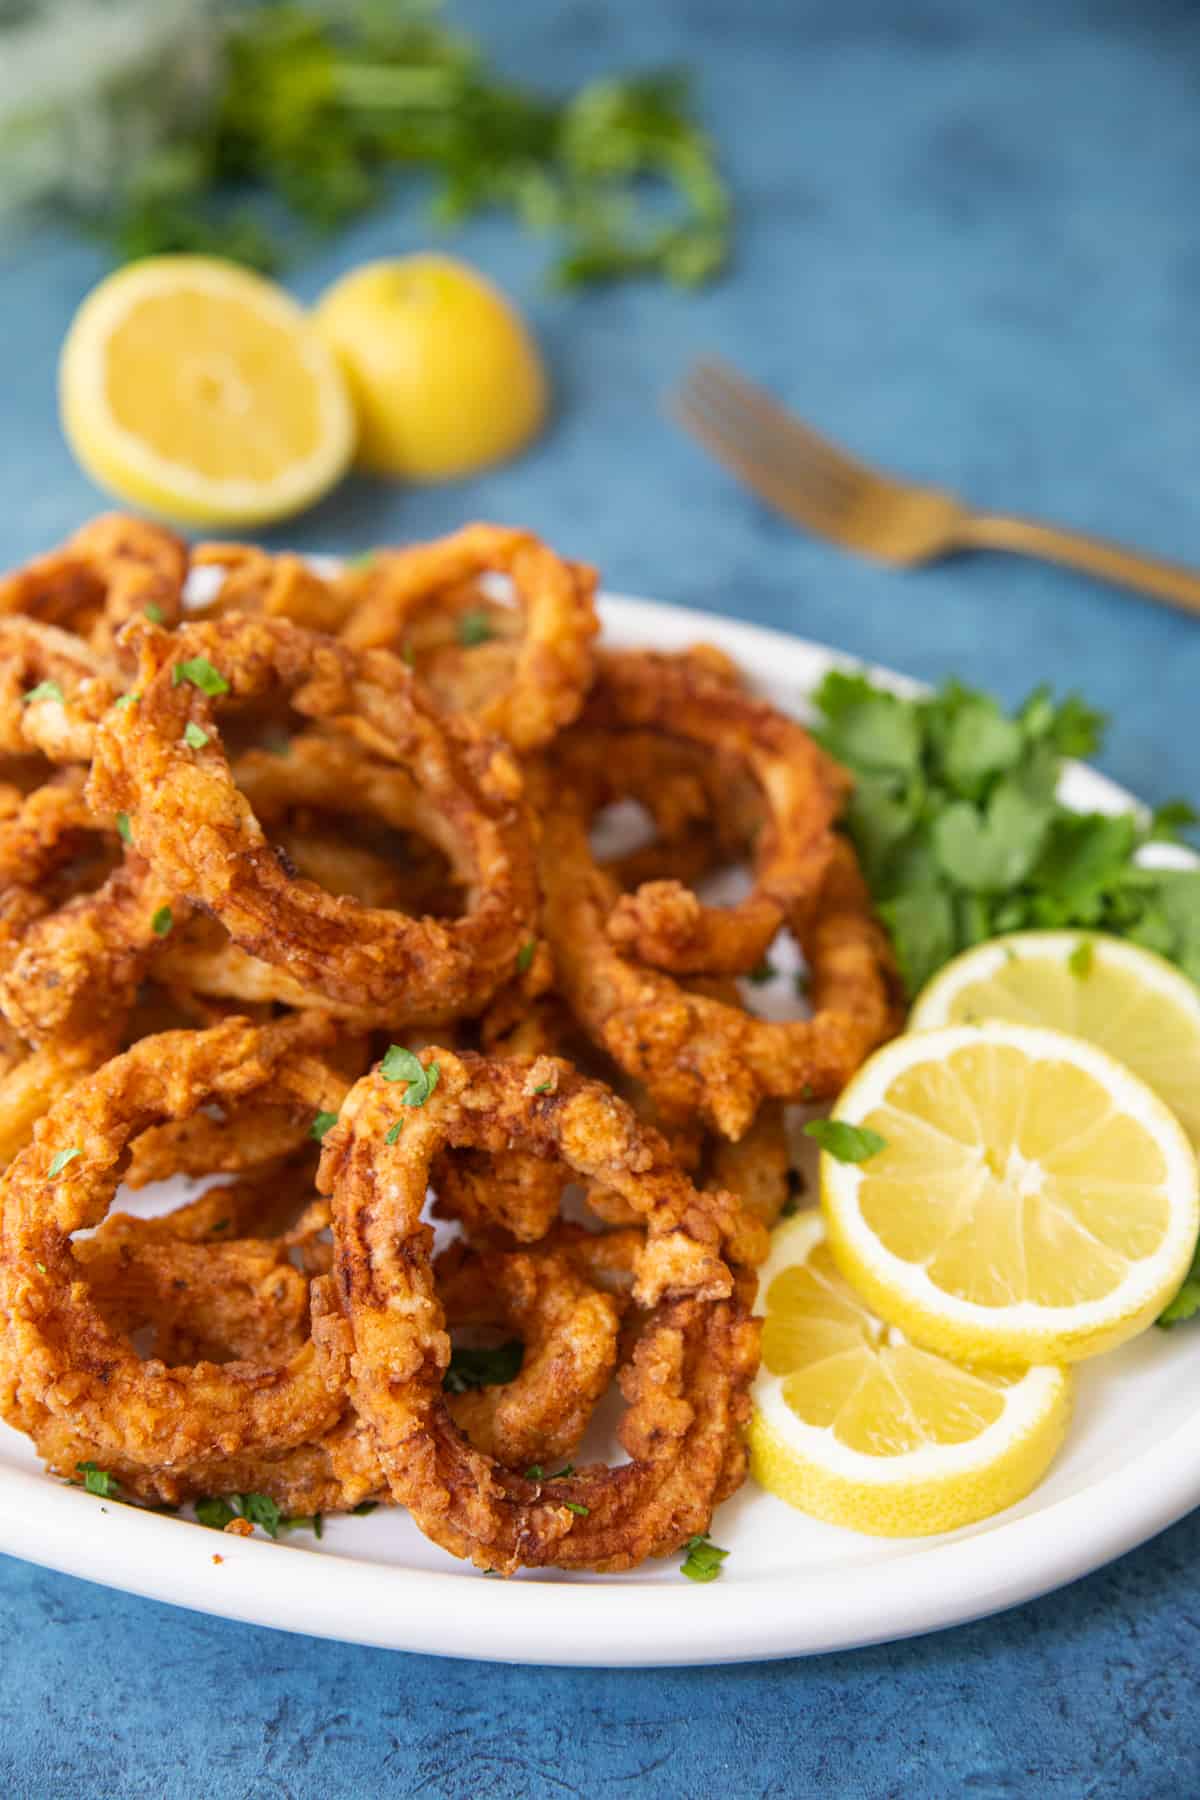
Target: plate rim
[[922, 1587]]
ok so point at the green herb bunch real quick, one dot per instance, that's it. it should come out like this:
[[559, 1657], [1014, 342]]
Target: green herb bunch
[[962, 837], [317, 109]]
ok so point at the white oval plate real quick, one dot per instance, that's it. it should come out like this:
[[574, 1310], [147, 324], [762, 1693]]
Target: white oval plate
[[790, 1586]]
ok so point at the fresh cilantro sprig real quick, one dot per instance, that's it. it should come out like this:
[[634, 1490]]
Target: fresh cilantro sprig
[[961, 836]]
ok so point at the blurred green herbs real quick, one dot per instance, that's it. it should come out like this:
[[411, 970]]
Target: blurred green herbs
[[314, 111]]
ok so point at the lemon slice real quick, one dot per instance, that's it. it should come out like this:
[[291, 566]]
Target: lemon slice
[[1132, 1003], [1034, 1200], [857, 1426], [201, 392]]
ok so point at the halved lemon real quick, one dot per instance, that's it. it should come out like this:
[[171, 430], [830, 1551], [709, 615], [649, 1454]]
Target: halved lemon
[[446, 377], [861, 1428], [1034, 1200], [1131, 1002], [203, 393]]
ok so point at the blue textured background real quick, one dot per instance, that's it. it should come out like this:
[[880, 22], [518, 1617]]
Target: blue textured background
[[969, 243]]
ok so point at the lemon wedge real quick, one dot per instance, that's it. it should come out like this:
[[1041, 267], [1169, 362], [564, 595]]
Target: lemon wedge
[[203, 393], [859, 1427], [1033, 1201], [1131, 1002], [445, 376]]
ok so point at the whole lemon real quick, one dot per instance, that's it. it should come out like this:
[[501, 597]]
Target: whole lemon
[[444, 375]]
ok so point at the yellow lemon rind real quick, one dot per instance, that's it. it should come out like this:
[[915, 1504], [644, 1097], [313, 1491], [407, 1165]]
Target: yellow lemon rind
[[937, 1488]]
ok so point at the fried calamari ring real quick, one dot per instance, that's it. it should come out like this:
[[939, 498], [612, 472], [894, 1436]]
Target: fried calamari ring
[[542, 683], [569, 1328], [246, 1133], [329, 778], [194, 1280], [31, 1081], [189, 819], [757, 1166], [280, 586], [687, 1384], [112, 570], [60, 1357], [800, 792], [54, 691], [699, 1055]]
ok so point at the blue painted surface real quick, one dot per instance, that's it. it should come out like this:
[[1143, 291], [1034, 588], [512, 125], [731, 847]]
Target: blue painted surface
[[969, 243]]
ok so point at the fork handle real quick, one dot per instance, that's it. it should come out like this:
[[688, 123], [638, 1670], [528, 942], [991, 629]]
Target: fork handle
[[1166, 581]]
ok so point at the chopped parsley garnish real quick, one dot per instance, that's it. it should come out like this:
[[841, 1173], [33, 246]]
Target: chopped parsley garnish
[[402, 1065], [162, 921], [408, 655], [123, 701], [154, 613], [259, 1509], [98, 1481], [848, 1143], [577, 1506], [123, 831], [475, 1368], [393, 1132], [957, 822], [1081, 959], [364, 1507], [324, 1121], [525, 956], [40, 1267], [60, 1160], [703, 1560], [314, 1522], [361, 562], [543, 1087], [475, 628], [194, 736], [535, 1472], [215, 1513], [764, 972], [45, 690], [200, 672]]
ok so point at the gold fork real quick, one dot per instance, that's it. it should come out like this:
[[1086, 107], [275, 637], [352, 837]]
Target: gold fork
[[816, 485]]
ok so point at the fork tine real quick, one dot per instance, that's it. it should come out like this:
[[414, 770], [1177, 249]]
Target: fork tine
[[746, 435], [797, 501], [744, 399]]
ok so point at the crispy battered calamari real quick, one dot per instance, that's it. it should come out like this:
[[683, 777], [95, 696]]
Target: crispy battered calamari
[[114, 569], [394, 806], [198, 831], [60, 1359], [695, 1357], [274, 587], [424, 598], [698, 1055], [800, 792]]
